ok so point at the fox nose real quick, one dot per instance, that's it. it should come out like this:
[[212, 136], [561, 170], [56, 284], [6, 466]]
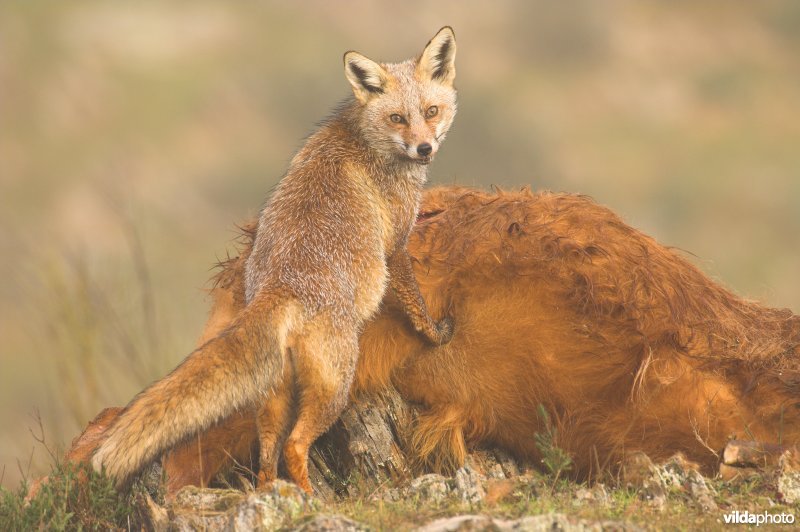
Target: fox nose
[[424, 149]]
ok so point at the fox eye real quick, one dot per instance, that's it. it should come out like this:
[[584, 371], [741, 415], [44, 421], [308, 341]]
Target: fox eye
[[397, 119], [431, 111]]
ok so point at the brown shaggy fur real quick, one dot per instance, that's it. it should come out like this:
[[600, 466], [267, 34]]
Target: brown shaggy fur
[[557, 302]]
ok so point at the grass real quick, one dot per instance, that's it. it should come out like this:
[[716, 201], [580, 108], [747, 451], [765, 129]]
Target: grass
[[74, 498], [554, 458], [536, 498]]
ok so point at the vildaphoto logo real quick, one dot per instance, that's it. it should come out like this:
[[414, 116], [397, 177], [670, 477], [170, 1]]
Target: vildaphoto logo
[[764, 518]]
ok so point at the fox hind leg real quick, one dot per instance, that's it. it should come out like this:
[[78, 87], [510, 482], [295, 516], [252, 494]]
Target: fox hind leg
[[324, 365], [273, 421]]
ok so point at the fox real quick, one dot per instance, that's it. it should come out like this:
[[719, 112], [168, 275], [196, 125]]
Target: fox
[[330, 240]]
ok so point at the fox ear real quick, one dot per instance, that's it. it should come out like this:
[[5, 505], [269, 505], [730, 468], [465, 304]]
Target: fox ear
[[437, 61], [365, 75]]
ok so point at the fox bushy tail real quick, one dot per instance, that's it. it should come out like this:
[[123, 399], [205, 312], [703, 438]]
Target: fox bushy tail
[[231, 371]]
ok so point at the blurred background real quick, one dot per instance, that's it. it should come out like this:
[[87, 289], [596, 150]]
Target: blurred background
[[133, 137]]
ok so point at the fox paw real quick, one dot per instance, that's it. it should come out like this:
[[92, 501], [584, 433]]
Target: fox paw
[[444, 330], [264, 480]]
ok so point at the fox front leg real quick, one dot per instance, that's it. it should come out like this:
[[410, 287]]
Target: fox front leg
[[404, 284]]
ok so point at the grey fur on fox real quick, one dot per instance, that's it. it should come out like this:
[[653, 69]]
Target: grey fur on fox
[[330, 240]]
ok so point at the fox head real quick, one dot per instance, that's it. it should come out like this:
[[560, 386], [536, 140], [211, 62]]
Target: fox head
[[406, 108]]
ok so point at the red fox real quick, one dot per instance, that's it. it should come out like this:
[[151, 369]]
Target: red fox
[[330, 240], [559, 303]]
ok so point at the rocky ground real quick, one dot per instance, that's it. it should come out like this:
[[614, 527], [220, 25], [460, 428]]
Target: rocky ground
[[363, 481], [492, 492]]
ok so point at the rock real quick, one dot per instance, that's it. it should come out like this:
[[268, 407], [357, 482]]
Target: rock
[[597, 494], [700, 492], [639, 472], [553, 521], [676, 475], [189, 521], [431, 487], [287, 498], [469, 485], [534, 523], [788, 480], [224, 510], [674, 472], [495, 463], [331, 523], [507, 464], [206, 499], [461, 523], [680, 475]]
